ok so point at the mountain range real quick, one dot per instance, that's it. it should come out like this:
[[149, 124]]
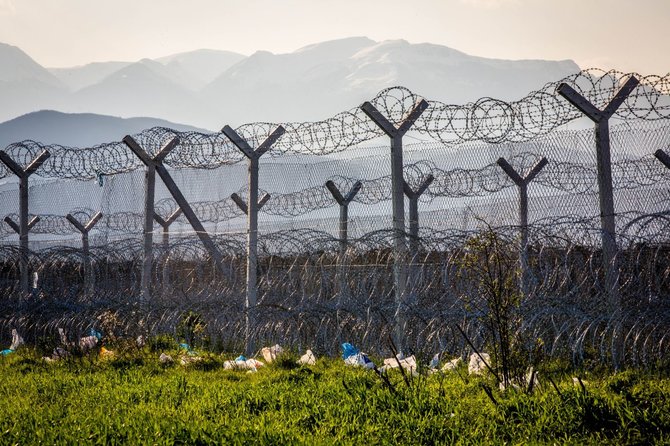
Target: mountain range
[[209, 88], [78, 129]]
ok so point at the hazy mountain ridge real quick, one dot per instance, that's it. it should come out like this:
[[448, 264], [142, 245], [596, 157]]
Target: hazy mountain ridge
[[211, 88], [77, 129], [24, 84], [203, 66], [191, 70], [76, 78], [17, 66]]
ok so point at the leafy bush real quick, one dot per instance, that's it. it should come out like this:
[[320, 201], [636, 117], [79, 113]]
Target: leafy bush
[[492, 273]]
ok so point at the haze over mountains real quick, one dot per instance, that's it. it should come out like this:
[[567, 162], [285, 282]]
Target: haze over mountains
[[208, 89], [78, 129]]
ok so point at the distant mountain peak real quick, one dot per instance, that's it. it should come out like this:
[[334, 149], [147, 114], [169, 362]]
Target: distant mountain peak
[[17, 66], [212, 87], [261, 53], [200, 52], [346, 43]]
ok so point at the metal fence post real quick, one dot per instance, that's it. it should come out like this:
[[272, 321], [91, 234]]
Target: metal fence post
[[157, 163], [397, 199], [413, 198], [662, 157], [24, 225], [605, 189], [522, 183], [251, 209], [343, 202], [84, 230], [165, 224]]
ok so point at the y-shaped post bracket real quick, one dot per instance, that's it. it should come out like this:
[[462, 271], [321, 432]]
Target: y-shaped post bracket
[[251, 209], [605, 188], [24, 225], [522, 183], [398, 204]]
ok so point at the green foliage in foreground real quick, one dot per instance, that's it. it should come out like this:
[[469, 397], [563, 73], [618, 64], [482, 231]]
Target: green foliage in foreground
[[135, 400]]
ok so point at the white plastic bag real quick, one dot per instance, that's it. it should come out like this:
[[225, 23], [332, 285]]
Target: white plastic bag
[[435, 362], [271, 353], [408, 364], [477, 365], [360, 360], [242, 363], [87, 343], [17, 340], [307, 359], [63, 337], [451, 365]]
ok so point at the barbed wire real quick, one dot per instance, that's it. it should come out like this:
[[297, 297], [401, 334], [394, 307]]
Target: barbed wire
[[311, 297], [311, 294], [487, 120], [561, 176]]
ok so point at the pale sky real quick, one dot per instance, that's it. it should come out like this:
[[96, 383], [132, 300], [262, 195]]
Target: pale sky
[[629, 35]]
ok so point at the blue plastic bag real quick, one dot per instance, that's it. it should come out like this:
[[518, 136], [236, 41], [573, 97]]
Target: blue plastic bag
[[348, 350], [189, 350]]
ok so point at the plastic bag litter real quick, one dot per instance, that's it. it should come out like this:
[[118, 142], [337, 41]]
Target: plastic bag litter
[[88, 342], [435, 362], [242, 363], [408, 364], [188, 349], [107, 354], [349, 350], [189, 359], [271, 353], [531, 374], [477, 365], [17, 340], [451, 364], [58, 354], [307, 359], [165, 359], [63, 337], [85, 343], [360, 360], [576, 381], [394, 361], [353, 356]]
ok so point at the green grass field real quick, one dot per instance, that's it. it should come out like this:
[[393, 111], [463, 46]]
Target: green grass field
[[134, 399]]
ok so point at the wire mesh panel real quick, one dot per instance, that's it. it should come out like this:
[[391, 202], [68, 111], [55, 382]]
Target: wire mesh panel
[[312, 294]]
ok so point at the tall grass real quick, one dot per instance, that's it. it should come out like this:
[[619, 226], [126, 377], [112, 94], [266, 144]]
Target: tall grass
[[136, 400]]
